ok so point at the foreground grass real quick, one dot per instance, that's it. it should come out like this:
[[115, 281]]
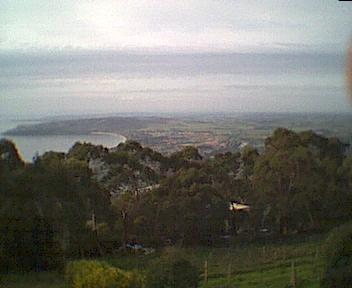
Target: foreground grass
[[250, 265], [32, 280], [275, 276]]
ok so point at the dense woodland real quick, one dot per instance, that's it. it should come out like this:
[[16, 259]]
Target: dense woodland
[[93, 201]]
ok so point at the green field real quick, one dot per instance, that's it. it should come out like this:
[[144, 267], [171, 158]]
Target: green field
[[247, 265]]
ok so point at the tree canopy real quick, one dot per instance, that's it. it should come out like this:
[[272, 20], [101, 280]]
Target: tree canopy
[[92, 200]]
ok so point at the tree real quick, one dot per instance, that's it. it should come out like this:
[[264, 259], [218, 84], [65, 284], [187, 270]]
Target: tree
[[85, 151], [188, 210], [9, 156], [45, 209], [184, 158], [338, 257], [172, 270], [126, 206], [294, 180]]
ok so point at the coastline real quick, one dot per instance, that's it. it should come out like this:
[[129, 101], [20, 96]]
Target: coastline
[[29, 145], [124, 139]]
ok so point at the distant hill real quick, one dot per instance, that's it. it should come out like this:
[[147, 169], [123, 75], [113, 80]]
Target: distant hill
[[211, 133], [86, 126]]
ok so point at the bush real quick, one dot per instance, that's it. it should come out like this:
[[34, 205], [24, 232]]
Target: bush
[[27, 240], [172, 271], [96, 274], [338, 253]]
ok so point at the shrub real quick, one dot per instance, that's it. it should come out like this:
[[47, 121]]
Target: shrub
[[338, 253], [96, 274], [27, 239], [172, 271]]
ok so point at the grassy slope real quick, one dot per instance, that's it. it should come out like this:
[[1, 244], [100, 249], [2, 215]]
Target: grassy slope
[[33, 280], [254, 265]]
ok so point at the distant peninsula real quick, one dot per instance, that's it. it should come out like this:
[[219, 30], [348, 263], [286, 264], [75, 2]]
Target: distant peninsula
[[209, 133], [116, 125]]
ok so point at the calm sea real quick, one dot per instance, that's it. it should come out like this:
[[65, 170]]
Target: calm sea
[[110, 82], [29, 146]]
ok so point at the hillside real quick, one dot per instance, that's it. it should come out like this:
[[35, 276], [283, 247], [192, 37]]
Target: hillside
[[247, 266]]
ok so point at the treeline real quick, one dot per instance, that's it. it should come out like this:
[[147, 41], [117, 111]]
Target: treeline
[[91, 200]]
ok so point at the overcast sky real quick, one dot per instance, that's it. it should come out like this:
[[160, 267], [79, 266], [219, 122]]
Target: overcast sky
[[200, 25], [56, 53]]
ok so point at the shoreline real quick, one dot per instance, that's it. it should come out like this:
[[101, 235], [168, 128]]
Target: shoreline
[[124, 139], [29, 145]]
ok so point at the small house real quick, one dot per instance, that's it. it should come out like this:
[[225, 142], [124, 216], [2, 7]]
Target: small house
[[239, 218]]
